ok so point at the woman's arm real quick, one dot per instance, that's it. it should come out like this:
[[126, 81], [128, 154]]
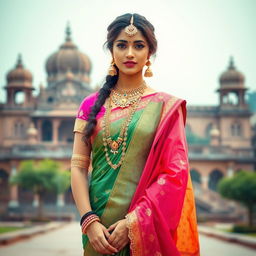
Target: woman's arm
[[79, 176], [96, 232]]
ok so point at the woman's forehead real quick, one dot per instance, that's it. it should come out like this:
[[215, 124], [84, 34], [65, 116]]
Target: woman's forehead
[[124, 37]]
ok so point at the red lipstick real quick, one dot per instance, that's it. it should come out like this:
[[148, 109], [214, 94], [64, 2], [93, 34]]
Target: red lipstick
[[130, 64]]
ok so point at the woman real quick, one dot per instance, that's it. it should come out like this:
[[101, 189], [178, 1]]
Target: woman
[[139, 200]]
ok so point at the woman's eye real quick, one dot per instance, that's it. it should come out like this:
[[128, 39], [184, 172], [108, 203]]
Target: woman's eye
[[139, 46], [121, 46]]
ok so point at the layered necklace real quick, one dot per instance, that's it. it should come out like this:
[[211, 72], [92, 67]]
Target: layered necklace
[[122, 99]]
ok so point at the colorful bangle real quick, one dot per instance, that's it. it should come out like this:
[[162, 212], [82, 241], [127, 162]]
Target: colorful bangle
[[88, 219], [85, 225], [85, 216]]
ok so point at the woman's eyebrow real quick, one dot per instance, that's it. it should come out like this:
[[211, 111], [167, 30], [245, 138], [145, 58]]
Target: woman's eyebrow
[[136, 41]]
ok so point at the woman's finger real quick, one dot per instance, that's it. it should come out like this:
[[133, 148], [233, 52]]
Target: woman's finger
[[113, 226], [106, 233], [108, 246], [115, 242]]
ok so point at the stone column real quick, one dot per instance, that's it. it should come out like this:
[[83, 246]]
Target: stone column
[[13, 203], [35, 200], [230, 170], [205, 179], [39, 129], [56, 124], [60, 200]]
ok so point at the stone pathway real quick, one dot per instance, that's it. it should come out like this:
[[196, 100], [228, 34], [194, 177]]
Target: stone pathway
[[67, 241]]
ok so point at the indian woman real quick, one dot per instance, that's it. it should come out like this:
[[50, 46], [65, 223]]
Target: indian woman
[[129, 168]]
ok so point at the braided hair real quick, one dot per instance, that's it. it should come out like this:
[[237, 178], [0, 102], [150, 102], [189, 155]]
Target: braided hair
[[114, 30]]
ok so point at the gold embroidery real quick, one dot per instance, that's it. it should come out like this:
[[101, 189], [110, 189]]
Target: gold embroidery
[[81, 113], [134, 234], [79, 125], [148, 212], [169, 104], [182, 162], [161, 181]]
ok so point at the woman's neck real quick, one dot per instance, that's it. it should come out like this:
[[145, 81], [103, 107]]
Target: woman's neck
[[129, 82]]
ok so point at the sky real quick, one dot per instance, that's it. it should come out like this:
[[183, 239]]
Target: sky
[[195, 40]]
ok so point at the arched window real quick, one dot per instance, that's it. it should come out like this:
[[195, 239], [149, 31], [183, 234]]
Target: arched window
[[19, 97], [195, 176], [236, 129], [208, 130], [47, 130], [214, 178], [65, 131], [4, 186], [19, 129]]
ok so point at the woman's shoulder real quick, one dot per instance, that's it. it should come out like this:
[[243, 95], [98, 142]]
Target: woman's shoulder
[[167, 97], [86, 105], [90, 99]]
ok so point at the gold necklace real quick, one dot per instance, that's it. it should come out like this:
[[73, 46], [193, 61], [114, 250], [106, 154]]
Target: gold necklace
[[122, 138], [125, 98]]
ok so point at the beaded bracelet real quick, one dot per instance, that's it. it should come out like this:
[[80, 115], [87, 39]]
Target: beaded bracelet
[[85, 216]]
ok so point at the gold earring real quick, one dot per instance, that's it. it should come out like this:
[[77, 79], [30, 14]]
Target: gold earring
[[112, 70], [148, 71]]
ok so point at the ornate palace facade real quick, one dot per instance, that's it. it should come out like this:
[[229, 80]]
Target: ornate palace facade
[[38, 127]]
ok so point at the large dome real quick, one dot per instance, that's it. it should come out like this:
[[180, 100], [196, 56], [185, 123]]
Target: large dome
[[232, 77], [19, 76], [68, 58]]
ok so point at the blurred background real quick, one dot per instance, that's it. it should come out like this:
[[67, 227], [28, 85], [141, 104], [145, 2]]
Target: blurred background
[[52, 56]]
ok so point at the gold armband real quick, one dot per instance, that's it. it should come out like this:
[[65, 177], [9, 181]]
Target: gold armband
[[81, 161]]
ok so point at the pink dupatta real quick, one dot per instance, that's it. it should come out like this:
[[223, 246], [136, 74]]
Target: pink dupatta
[[162, 216]]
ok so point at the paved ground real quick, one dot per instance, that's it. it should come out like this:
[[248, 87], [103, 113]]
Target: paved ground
[[66, 241], [216, 247]]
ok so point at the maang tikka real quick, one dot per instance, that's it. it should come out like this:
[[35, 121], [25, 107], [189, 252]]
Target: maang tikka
[[131, 30]]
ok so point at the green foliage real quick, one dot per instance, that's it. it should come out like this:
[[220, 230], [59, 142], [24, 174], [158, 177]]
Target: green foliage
[[241, 187], [243, 229], [41, 177]]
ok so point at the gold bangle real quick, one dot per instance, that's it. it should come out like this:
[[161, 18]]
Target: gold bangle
[[80, 157], [81, 161]]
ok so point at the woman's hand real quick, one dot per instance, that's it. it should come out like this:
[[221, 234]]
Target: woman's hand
[[119, 237], [97, 235]]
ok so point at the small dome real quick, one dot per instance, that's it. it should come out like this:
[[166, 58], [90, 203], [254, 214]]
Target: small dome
[[19, 76], [214, 132], [32, 131], [232, 78], [68, 57]]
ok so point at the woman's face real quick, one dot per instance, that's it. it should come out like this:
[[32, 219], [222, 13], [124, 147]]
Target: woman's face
[[130, 53]]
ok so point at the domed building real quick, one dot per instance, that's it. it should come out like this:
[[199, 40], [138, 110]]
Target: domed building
[[219, 138], [39, 127]]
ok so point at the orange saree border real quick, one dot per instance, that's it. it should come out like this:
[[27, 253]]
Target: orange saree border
[[134, 234]]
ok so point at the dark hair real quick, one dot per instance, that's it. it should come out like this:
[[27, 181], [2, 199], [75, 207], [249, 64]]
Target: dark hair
[[114, 29]]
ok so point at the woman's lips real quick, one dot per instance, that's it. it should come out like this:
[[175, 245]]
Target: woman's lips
[[129, 64]]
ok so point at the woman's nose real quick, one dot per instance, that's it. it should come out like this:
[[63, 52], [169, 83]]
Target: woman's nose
[[129, 52]]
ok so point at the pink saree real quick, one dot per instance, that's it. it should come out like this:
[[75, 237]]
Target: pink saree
[[162, 216], [155, 194]]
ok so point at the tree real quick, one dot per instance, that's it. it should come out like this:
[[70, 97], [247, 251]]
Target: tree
[[44, 176], [242, 188]]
